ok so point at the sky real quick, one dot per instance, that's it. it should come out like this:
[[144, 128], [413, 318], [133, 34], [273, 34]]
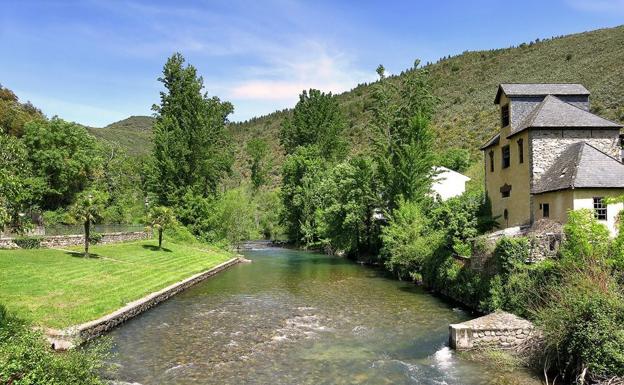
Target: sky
[[98, 61]]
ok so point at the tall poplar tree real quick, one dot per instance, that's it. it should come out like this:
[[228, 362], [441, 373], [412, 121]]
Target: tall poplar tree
[[403, 140], [192, 151]]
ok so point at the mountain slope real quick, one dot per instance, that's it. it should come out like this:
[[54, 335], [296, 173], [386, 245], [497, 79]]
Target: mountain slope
[[466, 85], [134, 134]]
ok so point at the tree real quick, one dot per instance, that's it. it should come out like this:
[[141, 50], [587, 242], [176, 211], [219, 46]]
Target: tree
[[191, 150], [20, 191], [350, 198], [257, 150], [65, 156], [403, 142], [302, 173], [161, 218], [316, 120], [88, 209]]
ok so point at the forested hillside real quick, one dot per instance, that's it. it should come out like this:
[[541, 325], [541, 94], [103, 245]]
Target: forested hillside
[[466, 85], [133, 133]]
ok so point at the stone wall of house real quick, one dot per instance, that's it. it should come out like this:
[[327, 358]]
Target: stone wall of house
[[499, 330], [544, 246], [548, 144], [59, 241]]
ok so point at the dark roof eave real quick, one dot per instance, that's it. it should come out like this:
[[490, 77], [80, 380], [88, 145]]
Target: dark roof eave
[[577, 188], [618, 127]]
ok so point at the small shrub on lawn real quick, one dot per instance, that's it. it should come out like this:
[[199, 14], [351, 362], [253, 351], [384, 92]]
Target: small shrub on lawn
[[28, 242]]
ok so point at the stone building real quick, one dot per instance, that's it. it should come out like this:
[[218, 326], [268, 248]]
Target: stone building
[[552, 155]]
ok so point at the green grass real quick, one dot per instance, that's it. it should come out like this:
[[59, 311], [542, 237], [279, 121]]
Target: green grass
[[56, 288]]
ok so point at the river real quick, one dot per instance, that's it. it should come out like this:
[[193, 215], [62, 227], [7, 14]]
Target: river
[[294, 317]]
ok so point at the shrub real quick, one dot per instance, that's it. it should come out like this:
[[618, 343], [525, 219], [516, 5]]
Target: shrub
[[409, 240], [583, 324], [28, 242], [510, 253], [26, 359], [95, 238], [585, 238]]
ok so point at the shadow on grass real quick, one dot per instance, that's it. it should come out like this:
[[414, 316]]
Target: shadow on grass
[[156, 248], [80, 254]]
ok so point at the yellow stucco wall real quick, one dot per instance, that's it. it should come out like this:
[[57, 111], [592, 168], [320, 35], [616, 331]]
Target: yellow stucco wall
[[560, 202], [583, 199], [516, 175]]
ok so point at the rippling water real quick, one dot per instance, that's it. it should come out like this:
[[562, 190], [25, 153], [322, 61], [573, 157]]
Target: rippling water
[[292, 317]]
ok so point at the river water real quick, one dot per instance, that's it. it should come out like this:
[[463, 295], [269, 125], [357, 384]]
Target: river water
[[293, 317]]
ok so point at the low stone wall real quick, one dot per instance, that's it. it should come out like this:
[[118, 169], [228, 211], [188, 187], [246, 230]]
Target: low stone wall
[[59, 241], [76, 335], [499, 330]]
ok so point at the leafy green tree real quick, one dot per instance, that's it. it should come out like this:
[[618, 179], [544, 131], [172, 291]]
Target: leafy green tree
[[257, 150], [192, 150], [87, 210], [457, 159], [403, 142], [316, 120], [302, 174], [161, 218], [350, 198], [65, 156], [20, 190]]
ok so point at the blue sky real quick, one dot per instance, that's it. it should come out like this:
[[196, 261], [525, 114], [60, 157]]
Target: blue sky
[[97, 61]]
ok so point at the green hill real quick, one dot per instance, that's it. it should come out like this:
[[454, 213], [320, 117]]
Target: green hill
[[466, 85], [133, 133]]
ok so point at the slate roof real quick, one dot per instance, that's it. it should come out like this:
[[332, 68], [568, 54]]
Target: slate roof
[[539, 89], [581, 166], [553, 112], [494, 140]]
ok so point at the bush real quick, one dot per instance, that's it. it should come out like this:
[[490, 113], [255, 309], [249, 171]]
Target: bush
[[26, 358], [510, 253], [409, 240], [585, 238], [28, 242], [583, 324], [95, 238]]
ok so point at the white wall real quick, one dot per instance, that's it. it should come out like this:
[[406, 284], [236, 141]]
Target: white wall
[[583, 199], [448, 183]]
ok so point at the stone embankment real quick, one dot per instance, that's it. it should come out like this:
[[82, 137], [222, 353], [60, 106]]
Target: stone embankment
[[59, 241], [499, 330], [75, 335]]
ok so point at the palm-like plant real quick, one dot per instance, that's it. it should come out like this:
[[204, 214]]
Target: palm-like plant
[[87, 209], [160, 218]]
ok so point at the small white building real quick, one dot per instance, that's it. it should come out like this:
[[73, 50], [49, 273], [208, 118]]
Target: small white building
[[448, 183]]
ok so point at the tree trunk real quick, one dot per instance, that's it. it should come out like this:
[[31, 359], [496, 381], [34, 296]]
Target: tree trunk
[[160, 238], [87, 228]]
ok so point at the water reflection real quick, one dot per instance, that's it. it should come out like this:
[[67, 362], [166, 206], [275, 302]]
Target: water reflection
[[298, 318]]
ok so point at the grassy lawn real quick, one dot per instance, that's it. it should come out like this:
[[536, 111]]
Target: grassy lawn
[[56, 288]]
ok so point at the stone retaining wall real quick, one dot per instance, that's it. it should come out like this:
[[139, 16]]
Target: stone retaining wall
[[76, 335], [59, 241], [499, 330]]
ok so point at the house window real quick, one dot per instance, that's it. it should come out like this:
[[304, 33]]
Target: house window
[[506, 156], [545, 210], [521, 151], [491, 161], [600, 209], [505, 115]]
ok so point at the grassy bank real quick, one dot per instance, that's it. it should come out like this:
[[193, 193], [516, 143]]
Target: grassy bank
[[57, 288]]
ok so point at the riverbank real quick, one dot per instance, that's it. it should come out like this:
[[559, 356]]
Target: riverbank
[[56, 288]]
